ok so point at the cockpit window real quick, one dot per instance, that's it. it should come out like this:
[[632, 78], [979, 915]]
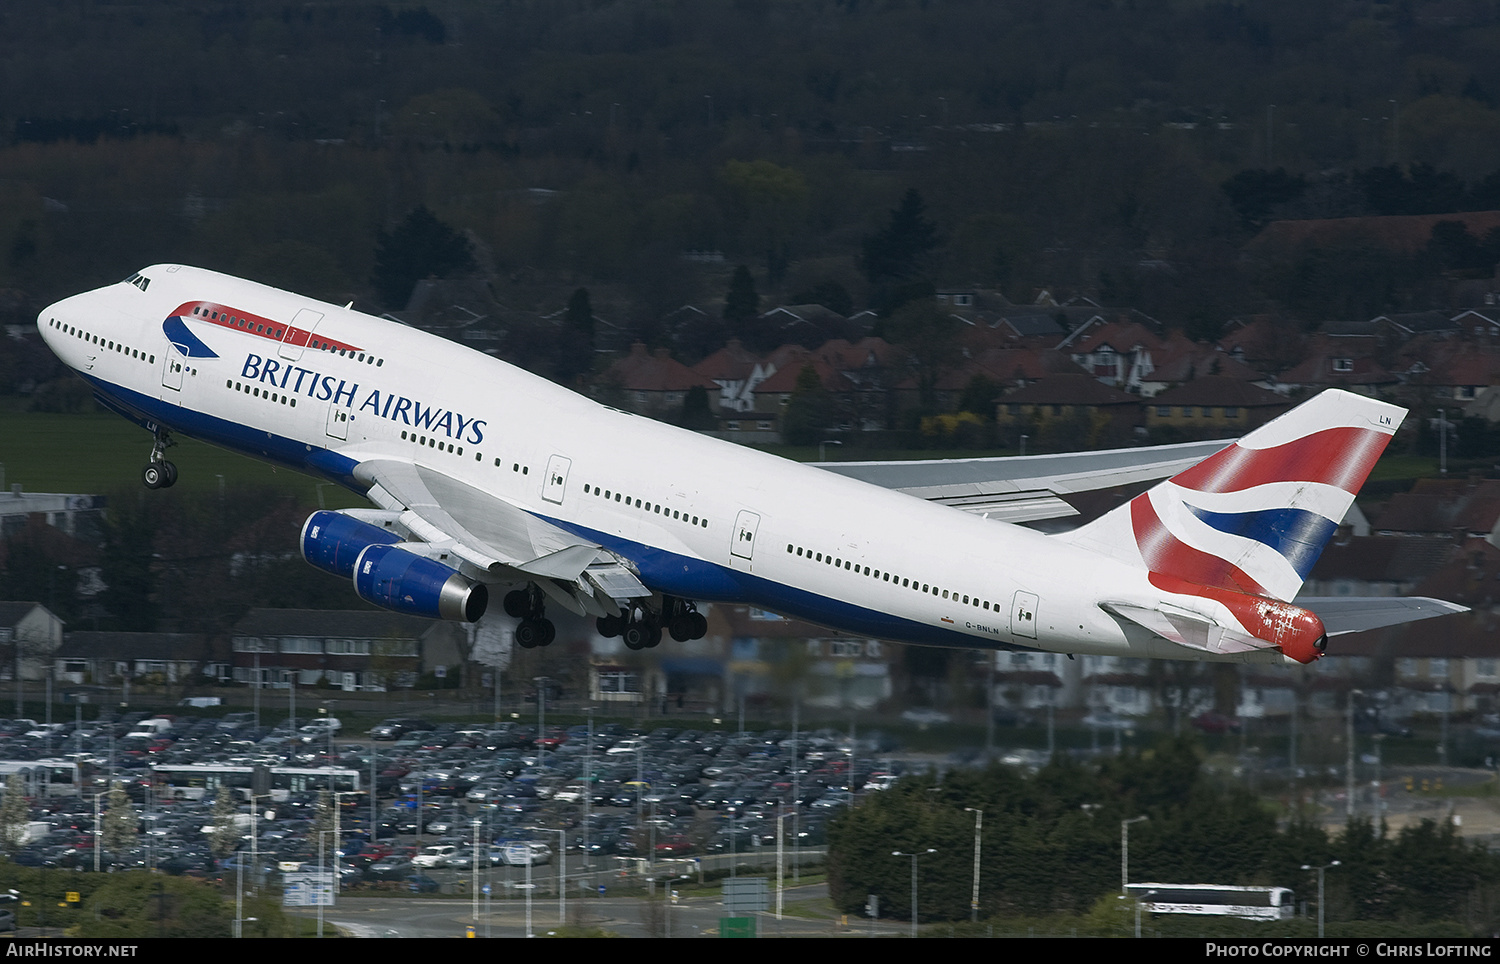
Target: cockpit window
[[139, 280]]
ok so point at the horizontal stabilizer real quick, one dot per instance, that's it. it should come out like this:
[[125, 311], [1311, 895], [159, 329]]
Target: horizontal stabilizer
[[1355, 614]]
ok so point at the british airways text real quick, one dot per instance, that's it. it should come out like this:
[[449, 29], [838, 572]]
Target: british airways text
[[388, 405]]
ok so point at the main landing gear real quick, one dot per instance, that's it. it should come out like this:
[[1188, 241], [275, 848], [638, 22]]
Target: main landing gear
[[159, 473], [529, 606], [641, 628]]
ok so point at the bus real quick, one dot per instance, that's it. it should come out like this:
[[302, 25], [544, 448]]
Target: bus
[[1250, 903], [191, 781], [48, 778]]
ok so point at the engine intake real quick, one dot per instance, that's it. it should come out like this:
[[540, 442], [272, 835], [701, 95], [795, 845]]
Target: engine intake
[[332, 541]]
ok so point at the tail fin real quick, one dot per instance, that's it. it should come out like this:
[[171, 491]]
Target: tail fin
[[1254, 517]]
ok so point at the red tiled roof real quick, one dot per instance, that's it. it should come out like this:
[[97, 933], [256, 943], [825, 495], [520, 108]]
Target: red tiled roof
[[641, 371]]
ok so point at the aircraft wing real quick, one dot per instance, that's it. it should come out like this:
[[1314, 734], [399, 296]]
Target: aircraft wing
[[499, 539], [1355, 614], [1026, 488]]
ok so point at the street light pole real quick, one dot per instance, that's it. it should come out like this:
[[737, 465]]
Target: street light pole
[[541, 716], [1125, 852], [1320, 871], [978, 827], [913, 856]]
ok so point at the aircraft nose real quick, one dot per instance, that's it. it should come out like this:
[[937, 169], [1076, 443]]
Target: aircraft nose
[[59, 311]]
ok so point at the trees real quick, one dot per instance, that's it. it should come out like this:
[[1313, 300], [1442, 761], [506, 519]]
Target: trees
[[742, 303], [141, 904], [225, 836], [419, 247], [930, 335], [894, 259], [119, 824], [812, 411], [696, 413], [769, 204], [126, 569], [13, 814], [1052, 844]]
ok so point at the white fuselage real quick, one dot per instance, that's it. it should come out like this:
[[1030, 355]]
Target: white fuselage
[[700, 518]]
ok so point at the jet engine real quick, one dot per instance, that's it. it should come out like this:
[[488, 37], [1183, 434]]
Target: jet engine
[[387, 575], [393, 578], [331, 541]]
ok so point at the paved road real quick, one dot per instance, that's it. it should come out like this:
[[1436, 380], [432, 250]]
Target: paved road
[[696, 916]]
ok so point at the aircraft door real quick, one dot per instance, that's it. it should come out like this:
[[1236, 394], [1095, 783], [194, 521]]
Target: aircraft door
[[299, 333], [557, 479], [338, 422], [743, 546], [174, 365], [1023, 615]]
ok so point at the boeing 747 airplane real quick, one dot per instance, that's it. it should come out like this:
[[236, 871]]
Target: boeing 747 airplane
[[482, 475]]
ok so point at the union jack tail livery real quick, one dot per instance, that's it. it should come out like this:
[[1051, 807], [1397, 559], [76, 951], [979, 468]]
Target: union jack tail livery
[[1245, 526]]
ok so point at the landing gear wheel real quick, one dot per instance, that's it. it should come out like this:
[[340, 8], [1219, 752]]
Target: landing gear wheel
[[634, 636], [653, 636], [517, 604], [609, 626], [686, 621], [159, 473], [532, 633]]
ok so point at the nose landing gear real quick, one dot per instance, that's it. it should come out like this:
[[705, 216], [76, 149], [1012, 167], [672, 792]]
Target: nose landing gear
[[159, 473]]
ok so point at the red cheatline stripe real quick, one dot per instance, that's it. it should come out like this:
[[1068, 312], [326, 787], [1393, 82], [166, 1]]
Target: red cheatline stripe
[[230, 318], [1341, 457], [1165, 553]]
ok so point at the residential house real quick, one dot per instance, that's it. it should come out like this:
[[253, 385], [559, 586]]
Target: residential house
[[29, 635], [347, 649], [108, 658], [771, 655], [653, 383], [1215, 406], [1339, 361], [1077, 409]]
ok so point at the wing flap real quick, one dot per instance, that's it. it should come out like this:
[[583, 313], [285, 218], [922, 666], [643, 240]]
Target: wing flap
[[493, 535]]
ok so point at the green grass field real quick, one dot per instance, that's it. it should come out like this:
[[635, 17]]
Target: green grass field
[[102, 453]]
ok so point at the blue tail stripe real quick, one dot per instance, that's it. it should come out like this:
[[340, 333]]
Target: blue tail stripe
[[1298, 535]]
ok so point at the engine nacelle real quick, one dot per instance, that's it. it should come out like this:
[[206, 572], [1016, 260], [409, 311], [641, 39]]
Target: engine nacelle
[[332, 541], [392, 578]]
